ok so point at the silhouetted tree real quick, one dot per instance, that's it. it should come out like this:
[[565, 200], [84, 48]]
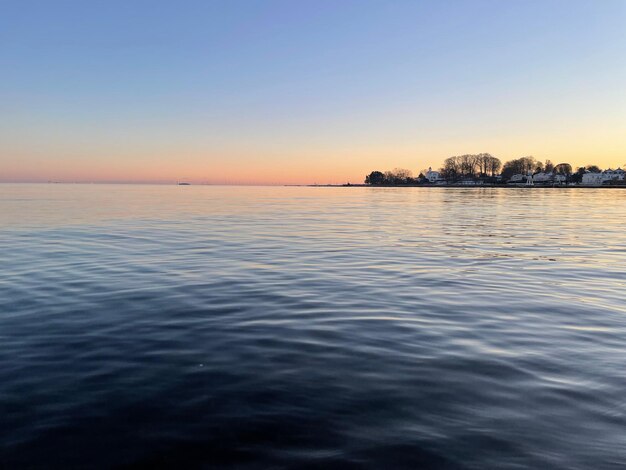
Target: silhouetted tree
[[451, 169], [488, 165], [578, 176], [494, 165], [375, 178], [470, 166], [564, 169], [593, 169], [396, 177], [402, 175]]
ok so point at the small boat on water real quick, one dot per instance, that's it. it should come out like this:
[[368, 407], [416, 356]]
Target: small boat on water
[[184, 184]]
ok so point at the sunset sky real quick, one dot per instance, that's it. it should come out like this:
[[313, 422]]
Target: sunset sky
[[304, 91]]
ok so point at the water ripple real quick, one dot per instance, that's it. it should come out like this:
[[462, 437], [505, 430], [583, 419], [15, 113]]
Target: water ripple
[[290, 327]]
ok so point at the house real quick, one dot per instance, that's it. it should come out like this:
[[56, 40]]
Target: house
[[598, 179], [518, 178], [542, 178], [433, 176], [618, 174], [549, 178], [593, 179]]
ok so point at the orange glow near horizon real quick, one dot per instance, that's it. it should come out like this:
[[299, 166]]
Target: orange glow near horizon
[[303, 168], [231, 94]]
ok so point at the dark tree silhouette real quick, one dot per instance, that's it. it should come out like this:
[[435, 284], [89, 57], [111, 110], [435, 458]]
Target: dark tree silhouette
[[396, 177], [375, 178], [470, 166], [563, 169], [578, 176], [519, 166], [401, 176]]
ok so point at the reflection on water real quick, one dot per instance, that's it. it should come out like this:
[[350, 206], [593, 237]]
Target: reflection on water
[[355, 327]]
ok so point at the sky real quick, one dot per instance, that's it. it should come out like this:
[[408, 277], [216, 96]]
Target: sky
[[273, 92]]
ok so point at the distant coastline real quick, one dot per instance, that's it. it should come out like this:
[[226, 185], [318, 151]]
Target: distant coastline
[[485, 170], [456, 186]]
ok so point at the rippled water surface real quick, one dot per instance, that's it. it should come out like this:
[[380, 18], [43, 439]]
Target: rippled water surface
[[288, 327]]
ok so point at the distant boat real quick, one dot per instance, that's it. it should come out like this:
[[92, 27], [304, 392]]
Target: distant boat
[[184, 184]]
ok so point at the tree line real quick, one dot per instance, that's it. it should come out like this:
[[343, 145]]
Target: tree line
[[396, 177], [470, 166], [482, 166]]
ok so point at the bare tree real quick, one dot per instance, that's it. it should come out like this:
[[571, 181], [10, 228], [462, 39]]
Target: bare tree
[[488, 165], [470, 166]]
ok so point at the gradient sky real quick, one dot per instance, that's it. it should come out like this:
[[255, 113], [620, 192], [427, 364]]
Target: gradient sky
[[304, 91]]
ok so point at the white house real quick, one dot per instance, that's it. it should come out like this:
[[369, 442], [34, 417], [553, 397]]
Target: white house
[[593, 179], [433, 176], [518, 178], [549, 178], [598, 179], [543, 177]]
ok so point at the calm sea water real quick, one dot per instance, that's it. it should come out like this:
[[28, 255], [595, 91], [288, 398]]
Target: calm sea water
[[289, 327]]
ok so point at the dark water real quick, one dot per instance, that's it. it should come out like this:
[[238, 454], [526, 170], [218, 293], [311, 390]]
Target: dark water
[[320, 327]]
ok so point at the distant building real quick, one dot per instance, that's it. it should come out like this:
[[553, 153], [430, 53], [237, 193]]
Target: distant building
[[433, 176], [518, 178], [593, 179], [598, 179], [549, 178], [543, 178]]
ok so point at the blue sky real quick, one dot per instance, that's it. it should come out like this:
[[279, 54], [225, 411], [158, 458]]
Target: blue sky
[[267, 91]]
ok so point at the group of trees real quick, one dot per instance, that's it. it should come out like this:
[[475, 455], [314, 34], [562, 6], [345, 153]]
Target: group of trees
[[524, 165], [398, 176], [470, 166]]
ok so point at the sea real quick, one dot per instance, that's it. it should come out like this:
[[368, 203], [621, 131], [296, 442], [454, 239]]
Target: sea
[[165, 326]]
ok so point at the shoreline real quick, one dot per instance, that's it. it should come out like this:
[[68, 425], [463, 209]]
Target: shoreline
[[503, 186]]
